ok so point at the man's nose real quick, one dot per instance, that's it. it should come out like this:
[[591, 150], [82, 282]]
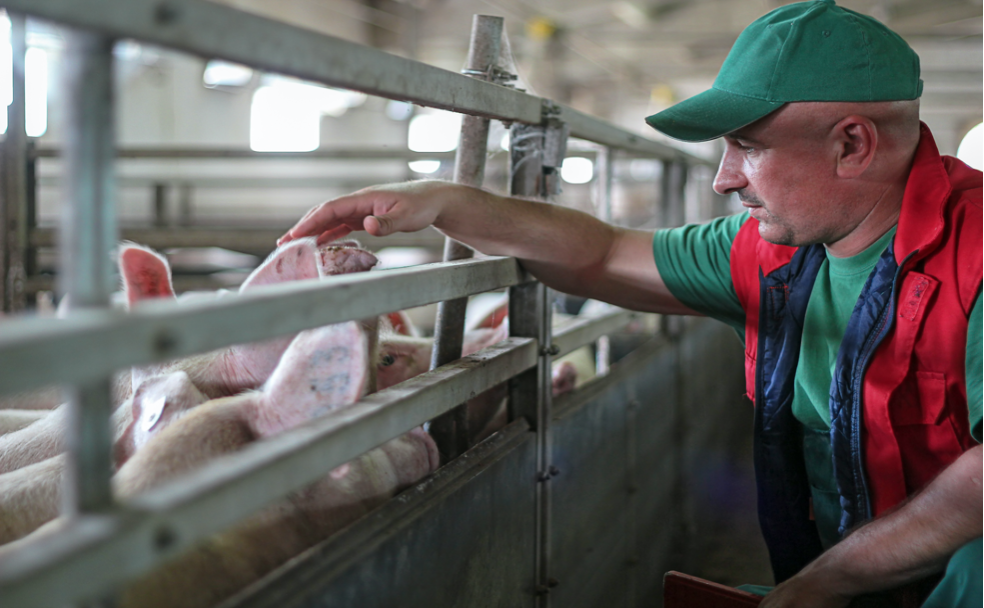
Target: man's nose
[[729, 175]]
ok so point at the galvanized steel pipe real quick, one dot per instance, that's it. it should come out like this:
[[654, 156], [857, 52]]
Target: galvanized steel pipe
[[88, 238]]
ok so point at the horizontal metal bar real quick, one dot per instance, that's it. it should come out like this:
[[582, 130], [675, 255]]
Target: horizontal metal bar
[[599, 131], [239, 239], [212, 30], [85, 560], [374, 153], [36, 352], [347, 183], [586, 330]]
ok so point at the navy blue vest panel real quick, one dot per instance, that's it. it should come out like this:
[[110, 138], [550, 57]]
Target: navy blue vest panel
[[780, 471], [869, 324]]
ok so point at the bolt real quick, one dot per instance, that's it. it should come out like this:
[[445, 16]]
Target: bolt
[[542, 590], [164, 538], [543, 476], [554, 471], [553, 350], [166, 13], [164, 342], [552, 582]]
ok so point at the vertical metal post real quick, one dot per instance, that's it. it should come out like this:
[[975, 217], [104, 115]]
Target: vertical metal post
[[673, 184], [185, 217], [31, 201], [14, 206], [450, 430], [530, 393], [160, 205], [88, 237], [605, 168]]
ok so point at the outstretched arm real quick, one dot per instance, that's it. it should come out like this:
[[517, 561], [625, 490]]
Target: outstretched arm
[[912, 542], [568, 250]]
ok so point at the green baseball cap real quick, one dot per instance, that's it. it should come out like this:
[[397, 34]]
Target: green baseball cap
[[807, 51]]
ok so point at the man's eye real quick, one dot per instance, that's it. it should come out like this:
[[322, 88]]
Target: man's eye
[[387, 360]]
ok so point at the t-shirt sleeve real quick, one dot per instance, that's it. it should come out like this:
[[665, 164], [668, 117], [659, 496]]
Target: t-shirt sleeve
[[694, 262], [974, 398]]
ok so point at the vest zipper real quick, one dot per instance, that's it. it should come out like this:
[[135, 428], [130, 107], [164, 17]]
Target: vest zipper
[[864, 497]]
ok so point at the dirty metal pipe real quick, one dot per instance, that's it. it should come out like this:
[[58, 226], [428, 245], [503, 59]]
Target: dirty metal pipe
[[451, 431], [88, 238], [530, 393], [14, 205], [605, 169]]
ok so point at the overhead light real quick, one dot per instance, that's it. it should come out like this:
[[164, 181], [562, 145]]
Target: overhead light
[[630, 14], [577, 170], [285, 115], [424, 166], [35, 92], [224, 74], [436, 131], [971, 149], [398, 110]]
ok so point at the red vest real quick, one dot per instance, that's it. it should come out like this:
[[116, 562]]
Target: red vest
[[914, 400]]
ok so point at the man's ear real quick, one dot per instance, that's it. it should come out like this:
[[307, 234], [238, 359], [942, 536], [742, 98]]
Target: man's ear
[[856, 140]]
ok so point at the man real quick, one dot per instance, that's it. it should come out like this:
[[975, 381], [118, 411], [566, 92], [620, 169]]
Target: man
[[854, 278]]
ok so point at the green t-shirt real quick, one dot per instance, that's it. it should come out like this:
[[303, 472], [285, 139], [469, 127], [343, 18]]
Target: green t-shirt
[[694, 262], [835, 292]]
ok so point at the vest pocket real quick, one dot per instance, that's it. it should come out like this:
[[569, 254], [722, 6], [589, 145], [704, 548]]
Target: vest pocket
[[926, 436], [923, 403]]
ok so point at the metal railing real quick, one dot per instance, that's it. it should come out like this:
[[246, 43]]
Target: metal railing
[[104, 543]]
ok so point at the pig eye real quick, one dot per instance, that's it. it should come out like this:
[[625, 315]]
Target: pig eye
[[388, 360]]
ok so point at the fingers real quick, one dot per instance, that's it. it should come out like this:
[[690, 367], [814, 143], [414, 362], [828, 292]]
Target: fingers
[[333, 235]]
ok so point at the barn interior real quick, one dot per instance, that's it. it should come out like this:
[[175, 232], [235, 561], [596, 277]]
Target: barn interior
[[584, 498]]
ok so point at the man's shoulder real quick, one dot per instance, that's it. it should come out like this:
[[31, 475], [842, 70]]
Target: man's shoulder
[[965, 181]]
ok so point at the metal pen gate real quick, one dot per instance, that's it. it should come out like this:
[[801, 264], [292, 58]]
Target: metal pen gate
[[106, 543]]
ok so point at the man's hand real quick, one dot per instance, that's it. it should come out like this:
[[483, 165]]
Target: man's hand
[[568, 250], [380, 211], [903, 546], [806, 590]]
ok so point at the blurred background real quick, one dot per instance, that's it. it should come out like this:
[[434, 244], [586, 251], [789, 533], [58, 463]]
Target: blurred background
[[212, 146]]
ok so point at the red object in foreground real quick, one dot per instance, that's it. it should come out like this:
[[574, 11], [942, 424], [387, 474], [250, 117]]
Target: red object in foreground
[[685, 591]]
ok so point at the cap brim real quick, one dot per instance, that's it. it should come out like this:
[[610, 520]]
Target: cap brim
[[710, 115]]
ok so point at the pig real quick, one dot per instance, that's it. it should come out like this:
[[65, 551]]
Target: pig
[[14, 420], [30, 495], [146, 275], [323, 370]]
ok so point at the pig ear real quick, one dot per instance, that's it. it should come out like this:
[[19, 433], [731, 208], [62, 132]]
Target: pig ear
[[324, 369], [344, 259], [399, 323], [477, 339], [146, 274], [295, 261]]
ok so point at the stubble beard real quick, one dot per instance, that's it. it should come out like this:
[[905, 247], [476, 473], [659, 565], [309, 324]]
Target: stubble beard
[[784, 234]]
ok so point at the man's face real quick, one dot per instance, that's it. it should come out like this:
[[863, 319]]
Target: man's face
[[783, 170]]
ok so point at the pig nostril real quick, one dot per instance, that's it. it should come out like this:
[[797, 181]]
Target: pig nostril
[[164, 538]]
